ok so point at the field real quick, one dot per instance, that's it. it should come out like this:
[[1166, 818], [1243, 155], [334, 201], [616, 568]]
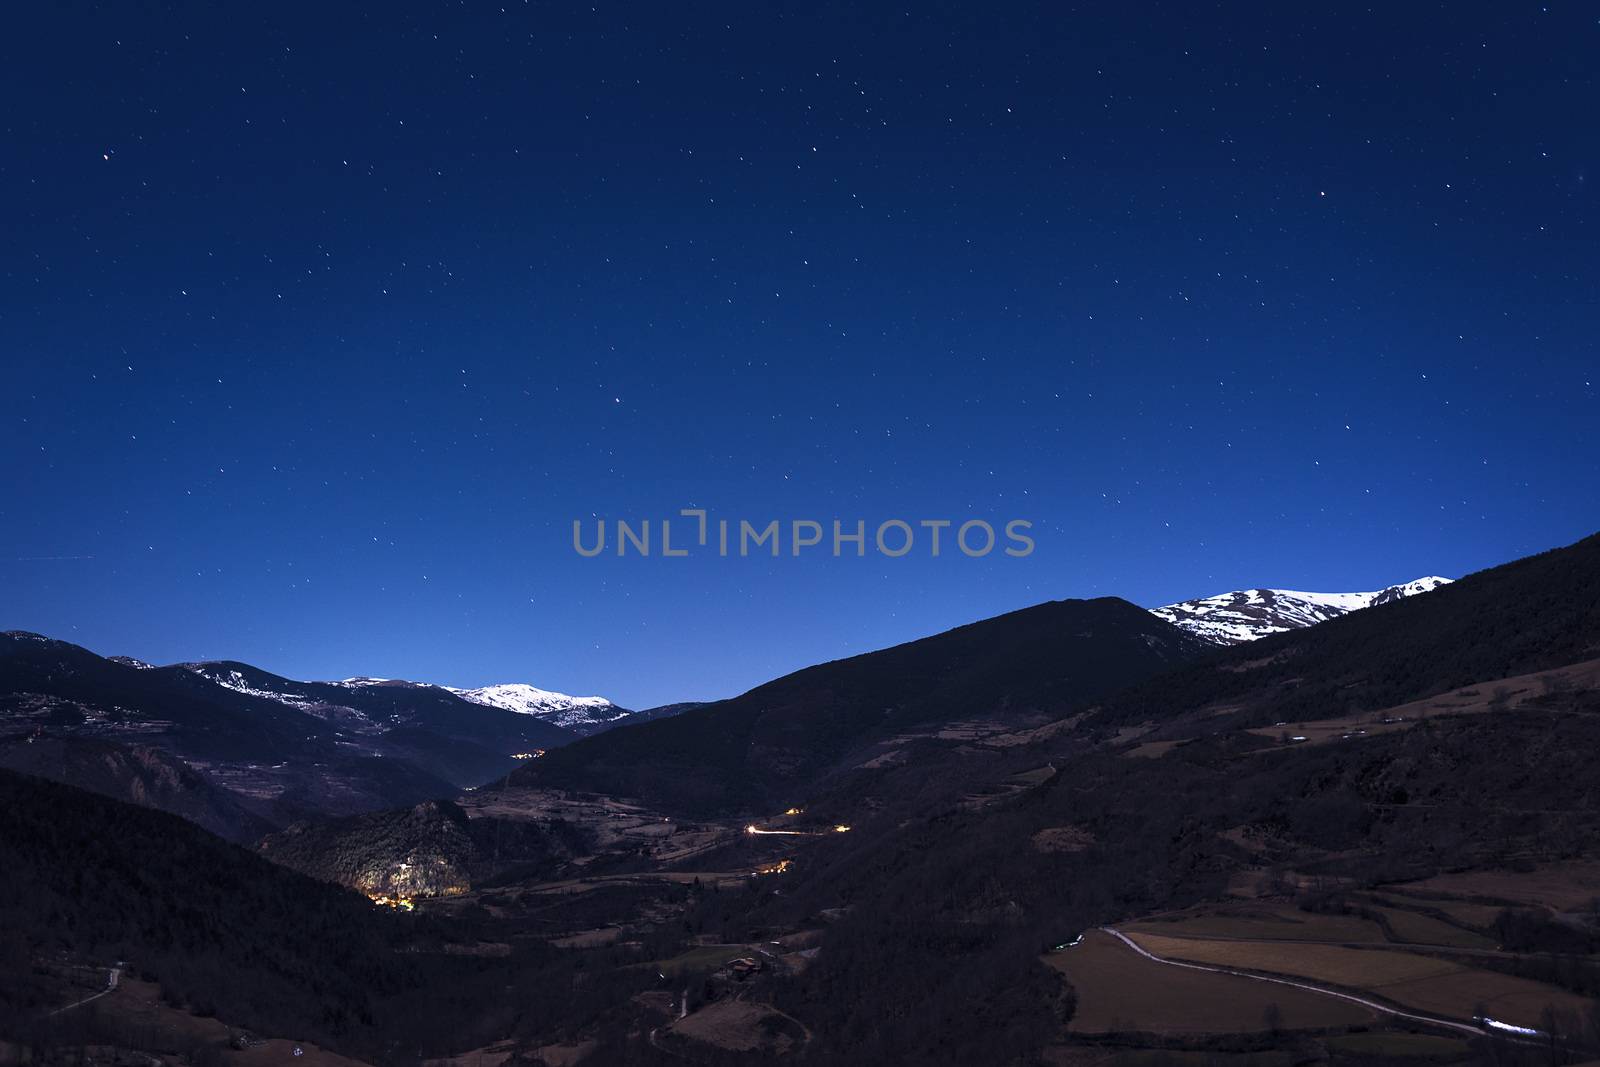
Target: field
[[606, 935], [1283, 924], [1565, 887], [1418, 929], [696, 960], [1152, 749], [741, 1026], [1119, 990], [1480, 916], [136, 1006], [1425, 984]]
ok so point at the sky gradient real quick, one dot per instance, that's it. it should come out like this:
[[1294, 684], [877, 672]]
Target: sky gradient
[[319, 330]]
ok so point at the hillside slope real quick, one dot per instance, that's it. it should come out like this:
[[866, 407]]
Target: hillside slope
[[753, 750], [138, 774], [1529, 615], [221, 927]]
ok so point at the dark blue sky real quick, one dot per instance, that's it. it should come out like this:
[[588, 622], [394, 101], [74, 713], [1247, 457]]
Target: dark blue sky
[[318, 330]]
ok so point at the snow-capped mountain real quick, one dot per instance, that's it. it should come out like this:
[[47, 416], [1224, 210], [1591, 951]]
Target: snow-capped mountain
[[584, 715], [580, 715], [1248, 614]]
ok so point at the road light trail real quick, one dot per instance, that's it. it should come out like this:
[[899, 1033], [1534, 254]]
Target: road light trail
[[841, 828]]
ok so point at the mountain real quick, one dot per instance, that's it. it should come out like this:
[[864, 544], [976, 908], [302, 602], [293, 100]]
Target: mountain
[[1527, 616], [780, 740], [581, 715], [1251, 614], [375, 706], [280, 749], [1184, 790]]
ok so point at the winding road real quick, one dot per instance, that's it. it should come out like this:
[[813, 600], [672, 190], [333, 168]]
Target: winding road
[[1431, 1020], [113, 976]]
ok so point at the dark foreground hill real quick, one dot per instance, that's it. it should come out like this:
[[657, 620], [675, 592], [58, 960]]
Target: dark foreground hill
[[768, 745], [224, 932], [221, 928]]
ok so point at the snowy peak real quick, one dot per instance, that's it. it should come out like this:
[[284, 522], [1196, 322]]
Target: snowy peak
[[582, 714], [1412, 588], [1249, 614]]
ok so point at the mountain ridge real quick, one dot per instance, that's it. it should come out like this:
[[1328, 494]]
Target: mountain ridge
[[1242, 615], [782, 737], [277, 749]]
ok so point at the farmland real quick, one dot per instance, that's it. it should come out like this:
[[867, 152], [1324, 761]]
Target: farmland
[[1276, 924], [1571, 886], [1423, 983], [1119, 991]]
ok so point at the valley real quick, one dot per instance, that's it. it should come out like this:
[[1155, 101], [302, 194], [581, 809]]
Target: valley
[[1073, 834]]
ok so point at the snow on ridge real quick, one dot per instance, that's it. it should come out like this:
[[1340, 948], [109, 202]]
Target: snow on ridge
[[1248, 614], [558, 708], [584, 714], [519, 697], [230, 678], [517, 692]]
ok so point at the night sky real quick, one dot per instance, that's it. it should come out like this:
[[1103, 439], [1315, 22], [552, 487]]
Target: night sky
[[318, 329]]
